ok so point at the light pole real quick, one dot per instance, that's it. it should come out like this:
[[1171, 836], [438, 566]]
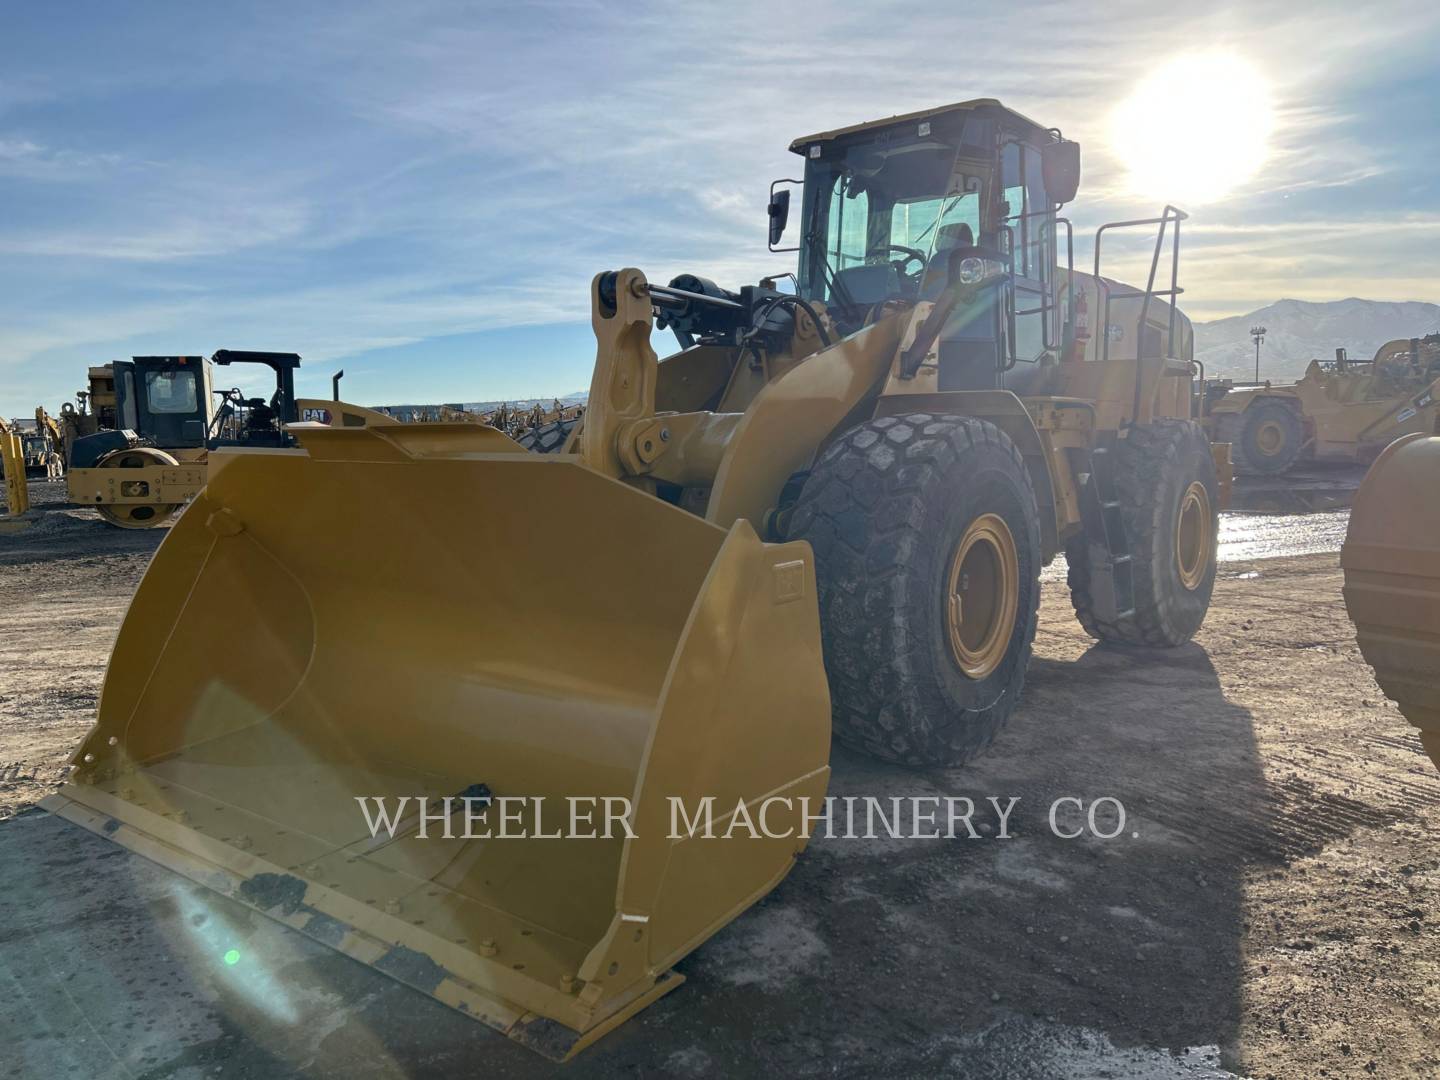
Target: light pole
[[1258, 333]]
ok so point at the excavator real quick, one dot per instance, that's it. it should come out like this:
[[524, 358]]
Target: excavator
[[824, 514]]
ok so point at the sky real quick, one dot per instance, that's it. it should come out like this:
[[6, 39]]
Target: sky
[[420, 192]]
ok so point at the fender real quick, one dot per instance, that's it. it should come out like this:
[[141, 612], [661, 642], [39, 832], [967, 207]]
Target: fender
[[1003, 409]]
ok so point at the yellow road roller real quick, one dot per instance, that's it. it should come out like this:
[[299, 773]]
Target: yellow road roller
[[138, 453], [825, 513]]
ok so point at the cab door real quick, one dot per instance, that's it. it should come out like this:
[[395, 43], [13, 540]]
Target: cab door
[[1029, 230]]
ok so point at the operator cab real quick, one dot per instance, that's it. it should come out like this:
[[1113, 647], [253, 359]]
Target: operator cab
[[164, 398], [169, 401], [893, 210]]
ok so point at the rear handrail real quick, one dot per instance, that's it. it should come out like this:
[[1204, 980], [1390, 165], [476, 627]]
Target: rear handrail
[[1167, 215]]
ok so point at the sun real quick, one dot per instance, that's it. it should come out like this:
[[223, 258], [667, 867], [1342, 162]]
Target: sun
[[1196, 129]]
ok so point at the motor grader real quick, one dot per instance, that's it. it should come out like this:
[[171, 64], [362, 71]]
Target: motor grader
[[1341, 411], [825, 513]]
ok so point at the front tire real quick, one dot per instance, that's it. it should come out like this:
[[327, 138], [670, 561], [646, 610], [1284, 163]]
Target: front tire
[[547, 438], [927, 559], [1169, 497]]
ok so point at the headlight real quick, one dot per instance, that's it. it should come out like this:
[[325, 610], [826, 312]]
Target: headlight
[[974, 270]]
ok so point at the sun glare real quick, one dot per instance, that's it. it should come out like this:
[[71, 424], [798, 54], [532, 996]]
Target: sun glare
[[1196, 129]]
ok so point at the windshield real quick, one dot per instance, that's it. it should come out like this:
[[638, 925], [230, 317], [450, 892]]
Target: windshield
[[878, 207]]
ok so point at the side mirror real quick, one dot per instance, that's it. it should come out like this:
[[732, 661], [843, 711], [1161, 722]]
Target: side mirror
[[1060, 164], [779, 211]]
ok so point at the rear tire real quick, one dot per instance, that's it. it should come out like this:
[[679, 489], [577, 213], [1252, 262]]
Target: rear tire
[[927, 559], [547, 438], [1165, 481], [1270, 438]]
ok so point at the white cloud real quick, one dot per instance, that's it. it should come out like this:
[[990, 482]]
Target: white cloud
[[450, 169]]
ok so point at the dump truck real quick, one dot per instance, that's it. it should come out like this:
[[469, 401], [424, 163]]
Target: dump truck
[[1391, 560], [1342, 411], [825, 514], [137, 445]]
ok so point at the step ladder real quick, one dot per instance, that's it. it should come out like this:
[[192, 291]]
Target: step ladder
[[1113, 572]]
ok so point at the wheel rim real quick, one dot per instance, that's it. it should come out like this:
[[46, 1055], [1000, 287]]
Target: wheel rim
[[982, 595], [1270, 438], [1192, 536]]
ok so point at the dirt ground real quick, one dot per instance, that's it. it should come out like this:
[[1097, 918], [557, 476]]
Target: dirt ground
[[1269, 910]]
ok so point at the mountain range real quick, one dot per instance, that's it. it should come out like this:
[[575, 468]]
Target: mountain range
[[1298, 331]]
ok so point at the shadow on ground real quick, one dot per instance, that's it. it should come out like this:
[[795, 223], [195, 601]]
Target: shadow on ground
[[1025, 957], [55, 532]]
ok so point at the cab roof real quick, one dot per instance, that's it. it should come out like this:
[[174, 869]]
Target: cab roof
[[988, 104]]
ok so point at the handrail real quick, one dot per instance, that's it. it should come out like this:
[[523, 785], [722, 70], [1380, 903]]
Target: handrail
[[1167, 215]]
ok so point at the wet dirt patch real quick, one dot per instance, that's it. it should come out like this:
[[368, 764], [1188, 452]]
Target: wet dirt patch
[[1267, 911]]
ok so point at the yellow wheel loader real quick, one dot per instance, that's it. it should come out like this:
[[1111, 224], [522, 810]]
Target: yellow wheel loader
[[1341, 411], [826, 513], [1391, 559]]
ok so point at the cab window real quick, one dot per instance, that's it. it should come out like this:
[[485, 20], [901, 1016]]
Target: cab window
[[171, 391], [919, 223], [846, 242]]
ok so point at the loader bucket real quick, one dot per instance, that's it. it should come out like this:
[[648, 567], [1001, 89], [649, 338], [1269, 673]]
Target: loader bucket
[[1391, 559], [429, 611]]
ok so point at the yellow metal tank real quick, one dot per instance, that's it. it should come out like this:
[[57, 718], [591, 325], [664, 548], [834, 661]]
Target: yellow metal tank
[[1391, 560]]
